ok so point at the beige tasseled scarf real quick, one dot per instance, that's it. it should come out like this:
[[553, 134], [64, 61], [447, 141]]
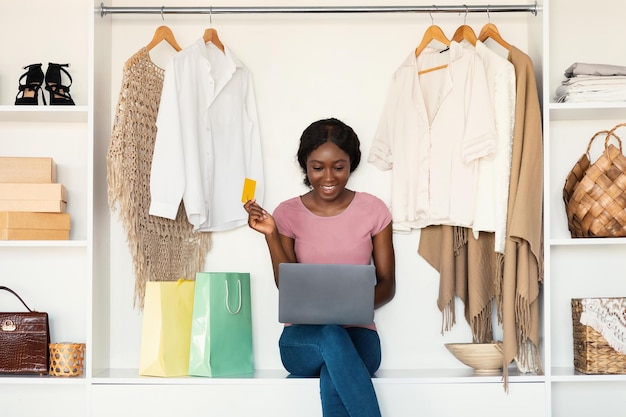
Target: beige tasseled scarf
[[469, 269], [523, 253], [161, 249]]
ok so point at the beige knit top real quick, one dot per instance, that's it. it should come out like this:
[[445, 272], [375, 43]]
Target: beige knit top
[[161, 249]]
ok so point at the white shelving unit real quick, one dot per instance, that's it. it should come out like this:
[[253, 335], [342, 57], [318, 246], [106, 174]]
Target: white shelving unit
[[577, 268], [85, 284], [51, 276]]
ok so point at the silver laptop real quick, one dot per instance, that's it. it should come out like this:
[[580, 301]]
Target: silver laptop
[[326, 293]]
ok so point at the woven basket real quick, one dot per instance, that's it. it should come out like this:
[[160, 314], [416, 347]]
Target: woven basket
[[594, 194], [592, 353], [67, 359]]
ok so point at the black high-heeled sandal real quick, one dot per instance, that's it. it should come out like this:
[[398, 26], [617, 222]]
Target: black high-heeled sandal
[[59, 92], [29, 91]]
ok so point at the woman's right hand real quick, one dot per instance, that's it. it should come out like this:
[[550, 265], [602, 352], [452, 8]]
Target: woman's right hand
[[281, 247], [259, 219]]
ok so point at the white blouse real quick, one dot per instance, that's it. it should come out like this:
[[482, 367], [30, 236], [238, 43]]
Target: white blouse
[[494, 174], [434, 128], [208, 139]]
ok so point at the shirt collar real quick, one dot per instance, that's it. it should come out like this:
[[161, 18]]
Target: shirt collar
[[230, 56], [456, 52]]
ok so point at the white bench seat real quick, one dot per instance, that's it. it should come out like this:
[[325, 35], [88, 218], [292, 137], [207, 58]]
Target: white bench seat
[[272, 393]]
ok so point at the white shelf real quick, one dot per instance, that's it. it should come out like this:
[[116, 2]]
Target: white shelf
[[41, 380], [451, 376], [587, 111], [43, 243], [587, 241], [280, 376], [44, 114], [571, 375]]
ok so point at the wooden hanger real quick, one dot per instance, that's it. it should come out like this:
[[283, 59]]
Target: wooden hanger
[[491, 31], [465, 32], [163, 33], [433, 33], [210, 35]]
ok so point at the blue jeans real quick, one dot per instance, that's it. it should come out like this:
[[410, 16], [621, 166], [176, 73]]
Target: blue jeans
[[345, 360]]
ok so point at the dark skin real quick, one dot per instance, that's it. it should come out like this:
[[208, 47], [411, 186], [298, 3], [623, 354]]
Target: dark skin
[[328, 171]]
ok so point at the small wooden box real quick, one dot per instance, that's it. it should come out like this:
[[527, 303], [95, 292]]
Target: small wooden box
[[32, 191], [27, 169], [39, 206], [34, 234], [33, 197], [21, 220], [34, 226]]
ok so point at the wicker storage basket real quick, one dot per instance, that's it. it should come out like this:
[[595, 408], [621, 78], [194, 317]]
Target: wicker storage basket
[[595, 194], [592, 353], [67, 359]]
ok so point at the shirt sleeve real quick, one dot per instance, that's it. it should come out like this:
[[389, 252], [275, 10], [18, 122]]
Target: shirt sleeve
[[167, 175], [254, 156], [281, 218], [480, 132], [382, 215], [381, 151]]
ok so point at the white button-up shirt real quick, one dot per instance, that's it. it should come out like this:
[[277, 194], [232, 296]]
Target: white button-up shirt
[[494, 174], [207, 140], [434, 128]]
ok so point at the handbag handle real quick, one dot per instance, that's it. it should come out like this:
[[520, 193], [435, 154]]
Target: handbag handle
[[227, 304], [15, 294]]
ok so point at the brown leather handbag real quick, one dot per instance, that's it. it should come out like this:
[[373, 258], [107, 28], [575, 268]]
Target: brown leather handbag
[[24, 341]]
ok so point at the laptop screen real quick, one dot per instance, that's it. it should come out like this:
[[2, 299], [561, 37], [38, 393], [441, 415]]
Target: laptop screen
[[326, 293]]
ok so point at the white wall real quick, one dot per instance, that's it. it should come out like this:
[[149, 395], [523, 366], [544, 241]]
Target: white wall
[[305, 67], [28, 43]]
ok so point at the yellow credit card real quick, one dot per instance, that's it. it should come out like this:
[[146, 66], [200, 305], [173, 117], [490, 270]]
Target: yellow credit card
[[248, 190]]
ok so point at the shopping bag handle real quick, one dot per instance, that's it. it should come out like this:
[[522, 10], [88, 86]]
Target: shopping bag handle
[[227, 304], [15, 294]]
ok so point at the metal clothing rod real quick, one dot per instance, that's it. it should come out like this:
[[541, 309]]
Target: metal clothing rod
[[106, 10]]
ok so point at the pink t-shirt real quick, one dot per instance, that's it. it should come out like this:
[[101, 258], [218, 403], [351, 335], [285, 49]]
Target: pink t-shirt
[[342, 239]]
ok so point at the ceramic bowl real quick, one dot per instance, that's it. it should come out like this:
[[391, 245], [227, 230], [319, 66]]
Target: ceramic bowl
[[484, 358]]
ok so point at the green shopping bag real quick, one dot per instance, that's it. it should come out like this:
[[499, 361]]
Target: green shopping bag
[[166, 328], [221, 326]]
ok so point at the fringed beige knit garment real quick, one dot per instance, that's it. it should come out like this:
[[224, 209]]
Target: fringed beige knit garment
[[161, 249], [523, 253], [467, 269]]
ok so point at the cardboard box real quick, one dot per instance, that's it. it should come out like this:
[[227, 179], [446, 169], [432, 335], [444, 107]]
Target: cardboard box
[[27, 169], [28, 220], [40, 206], [34, 234], [34, 191]]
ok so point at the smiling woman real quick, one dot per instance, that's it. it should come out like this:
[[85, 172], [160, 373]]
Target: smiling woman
[[332, 224], [328, 154]]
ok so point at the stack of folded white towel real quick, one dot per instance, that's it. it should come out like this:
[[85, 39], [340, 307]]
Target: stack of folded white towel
[[592, 82]]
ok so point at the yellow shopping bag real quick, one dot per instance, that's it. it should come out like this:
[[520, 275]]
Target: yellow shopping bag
[[166, 330]]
